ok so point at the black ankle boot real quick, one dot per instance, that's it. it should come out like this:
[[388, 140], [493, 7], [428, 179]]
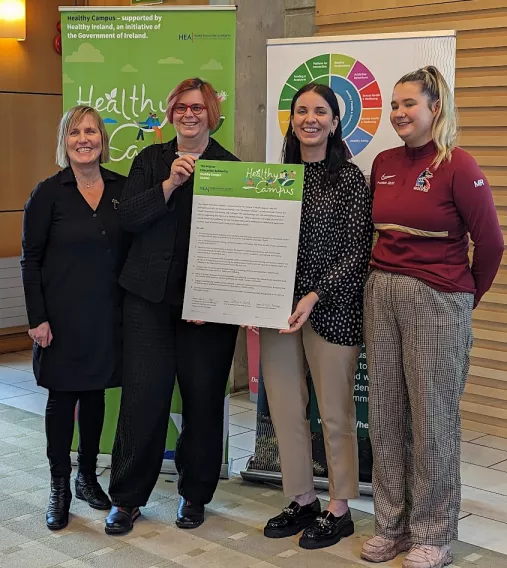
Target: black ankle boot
[[89, 489], [57, 515]]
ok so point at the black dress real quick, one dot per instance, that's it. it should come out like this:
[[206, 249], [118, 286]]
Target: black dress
[[72, 257]]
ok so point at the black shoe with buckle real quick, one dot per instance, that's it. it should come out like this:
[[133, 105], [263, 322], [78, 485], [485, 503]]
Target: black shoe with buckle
[[327, 530], [190, 515], [121, 520], [88, 489], [292, 519]]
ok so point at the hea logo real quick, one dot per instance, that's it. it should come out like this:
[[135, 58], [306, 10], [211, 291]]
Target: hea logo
[[479, 183], [186, 37]]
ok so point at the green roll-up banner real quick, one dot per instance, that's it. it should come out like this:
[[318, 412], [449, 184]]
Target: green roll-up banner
[[124, 62]]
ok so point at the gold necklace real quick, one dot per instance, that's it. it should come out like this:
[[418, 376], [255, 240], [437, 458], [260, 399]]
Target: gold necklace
[[88, 183]]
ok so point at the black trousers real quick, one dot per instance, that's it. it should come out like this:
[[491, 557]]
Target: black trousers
[[60, 412], [158, 346]]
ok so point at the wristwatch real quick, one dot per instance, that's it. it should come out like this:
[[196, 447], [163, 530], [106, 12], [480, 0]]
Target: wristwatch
[[320, 293]]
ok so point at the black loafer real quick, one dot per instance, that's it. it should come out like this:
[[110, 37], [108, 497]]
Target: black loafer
[[292, 519], [121, 520], [190, 515], [327, 530]]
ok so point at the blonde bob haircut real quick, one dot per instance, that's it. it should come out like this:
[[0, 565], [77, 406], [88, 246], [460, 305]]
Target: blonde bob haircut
[[445, 123], [209, 96], [72, 118]]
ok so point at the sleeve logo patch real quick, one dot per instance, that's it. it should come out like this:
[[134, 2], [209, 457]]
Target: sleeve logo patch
[[479, 183]]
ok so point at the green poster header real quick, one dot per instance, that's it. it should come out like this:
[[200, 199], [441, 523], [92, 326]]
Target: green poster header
[[252, 180], [125, 61]]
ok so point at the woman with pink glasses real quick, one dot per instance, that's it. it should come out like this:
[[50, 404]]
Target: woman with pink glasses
[[158, 345]]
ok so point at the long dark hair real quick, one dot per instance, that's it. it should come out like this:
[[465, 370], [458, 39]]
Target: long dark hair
[[337, 152]]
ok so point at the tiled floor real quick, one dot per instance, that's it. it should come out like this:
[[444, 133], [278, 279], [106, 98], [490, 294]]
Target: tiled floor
[[230, 538], [484, 462]]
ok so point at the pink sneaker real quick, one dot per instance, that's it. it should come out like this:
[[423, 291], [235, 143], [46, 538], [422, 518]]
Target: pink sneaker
[[425, 556], [380, 549]]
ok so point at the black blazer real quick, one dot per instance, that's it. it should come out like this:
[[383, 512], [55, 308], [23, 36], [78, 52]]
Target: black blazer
[[144, 212]]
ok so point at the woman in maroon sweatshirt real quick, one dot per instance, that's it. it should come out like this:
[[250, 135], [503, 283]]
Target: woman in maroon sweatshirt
[[428, 196]]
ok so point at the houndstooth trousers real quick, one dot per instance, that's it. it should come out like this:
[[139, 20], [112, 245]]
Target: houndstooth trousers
[[418, 343]]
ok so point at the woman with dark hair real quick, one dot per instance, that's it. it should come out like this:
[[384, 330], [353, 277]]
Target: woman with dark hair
[[326, 326], [158, 344]]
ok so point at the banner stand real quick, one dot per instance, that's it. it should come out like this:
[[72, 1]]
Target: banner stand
[[354, 67], [123, 61]]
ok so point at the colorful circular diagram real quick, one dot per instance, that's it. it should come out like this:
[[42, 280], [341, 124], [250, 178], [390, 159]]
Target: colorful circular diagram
[[355, 87]]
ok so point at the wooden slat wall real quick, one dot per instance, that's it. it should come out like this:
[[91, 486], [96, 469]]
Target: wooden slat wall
[[481, 96], [353, 6]]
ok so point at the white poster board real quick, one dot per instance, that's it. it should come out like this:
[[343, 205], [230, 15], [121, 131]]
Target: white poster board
[[362, 70], [243, 243]]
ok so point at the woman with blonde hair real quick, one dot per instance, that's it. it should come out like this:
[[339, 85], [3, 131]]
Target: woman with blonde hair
[[157, 208], [73, 251], [428, 196]]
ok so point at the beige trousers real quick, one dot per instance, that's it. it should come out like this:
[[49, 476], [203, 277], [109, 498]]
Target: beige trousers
[[285, 359]]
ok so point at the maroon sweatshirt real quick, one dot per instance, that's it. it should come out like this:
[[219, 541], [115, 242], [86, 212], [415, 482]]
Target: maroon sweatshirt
[[423, 217]]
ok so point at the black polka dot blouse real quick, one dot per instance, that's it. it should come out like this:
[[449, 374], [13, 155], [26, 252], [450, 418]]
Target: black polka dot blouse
[[334, 250]]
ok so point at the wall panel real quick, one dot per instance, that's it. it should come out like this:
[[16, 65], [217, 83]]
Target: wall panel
[[33, 65], [27, 154], [10, 234]]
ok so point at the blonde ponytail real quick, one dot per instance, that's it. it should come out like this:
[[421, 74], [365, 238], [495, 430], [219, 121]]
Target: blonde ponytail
[[445, 124]]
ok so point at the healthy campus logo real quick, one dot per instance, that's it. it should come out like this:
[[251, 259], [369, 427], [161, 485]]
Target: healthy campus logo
[[263, 180]]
